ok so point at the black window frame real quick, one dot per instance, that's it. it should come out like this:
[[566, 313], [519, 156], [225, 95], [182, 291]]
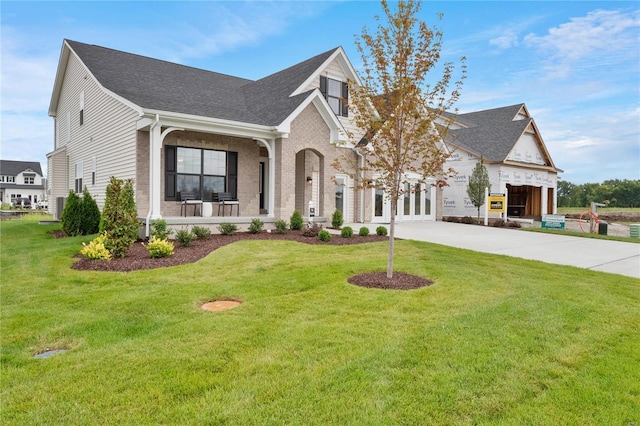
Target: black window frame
[[343, 100], [171, 173]]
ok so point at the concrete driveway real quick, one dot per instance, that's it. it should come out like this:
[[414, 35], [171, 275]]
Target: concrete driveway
[[599, 255]]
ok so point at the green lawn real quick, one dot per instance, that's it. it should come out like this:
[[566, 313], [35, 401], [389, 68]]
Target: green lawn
[[496, 340]]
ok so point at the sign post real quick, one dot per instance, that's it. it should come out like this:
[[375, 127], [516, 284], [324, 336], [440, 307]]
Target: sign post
[[496, 203]]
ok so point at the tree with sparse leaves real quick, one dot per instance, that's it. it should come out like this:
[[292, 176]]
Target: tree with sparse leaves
[[478, 181], [400, 106]]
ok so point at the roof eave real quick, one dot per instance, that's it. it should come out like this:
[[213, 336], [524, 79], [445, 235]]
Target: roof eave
[[210, 124], [57, 85], [339, 52], [338, 132]]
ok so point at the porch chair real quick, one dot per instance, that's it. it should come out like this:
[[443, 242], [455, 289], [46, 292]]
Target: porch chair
[[187, 199], [224, 199]]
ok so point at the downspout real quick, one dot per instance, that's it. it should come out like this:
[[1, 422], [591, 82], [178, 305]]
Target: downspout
[[153, 126], [362, 194]]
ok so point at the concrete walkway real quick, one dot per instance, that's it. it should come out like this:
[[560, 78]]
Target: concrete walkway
[[598, 255]]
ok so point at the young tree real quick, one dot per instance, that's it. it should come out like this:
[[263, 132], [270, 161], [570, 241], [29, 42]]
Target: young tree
[[71, 218], [400, 106], [478, 181], [119, 217], [90, 213]]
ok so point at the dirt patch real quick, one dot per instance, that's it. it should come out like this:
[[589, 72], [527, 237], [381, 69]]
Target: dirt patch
[[399, 281], [220, 305], [612, 217]]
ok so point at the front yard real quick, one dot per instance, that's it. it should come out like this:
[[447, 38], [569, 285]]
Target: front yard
[[496, 340]]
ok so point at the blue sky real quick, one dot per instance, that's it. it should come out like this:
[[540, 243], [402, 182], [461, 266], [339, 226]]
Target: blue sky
[[576, 64]]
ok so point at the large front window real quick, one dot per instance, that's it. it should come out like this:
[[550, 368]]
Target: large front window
[[199, 171]]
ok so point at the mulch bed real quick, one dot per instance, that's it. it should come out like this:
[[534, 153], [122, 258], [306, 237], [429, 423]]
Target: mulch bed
[[138, 257]]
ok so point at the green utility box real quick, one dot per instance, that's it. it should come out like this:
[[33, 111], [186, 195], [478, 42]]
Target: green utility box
[[634, 230], [603, 227]]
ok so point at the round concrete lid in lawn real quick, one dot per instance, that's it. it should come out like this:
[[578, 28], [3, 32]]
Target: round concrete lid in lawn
[[220, 305]]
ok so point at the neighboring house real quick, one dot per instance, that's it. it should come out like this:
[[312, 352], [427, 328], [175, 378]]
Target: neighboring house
[[174, 129], [21, 179], [515, 156]]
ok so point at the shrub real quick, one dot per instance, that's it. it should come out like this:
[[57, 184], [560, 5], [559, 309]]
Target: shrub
[[159, 247], [512, 224], [119, 217], [381, 230], [311, 230], [256, 226], [95, 249], [364, 231], [336, 219], [159, 229], [90, 214], [296, 221], [71, 218], [201, 232], [227, 228], [468, 220], [347, 232], [185, 237], [5, 206], [281, 226], [324, 235]]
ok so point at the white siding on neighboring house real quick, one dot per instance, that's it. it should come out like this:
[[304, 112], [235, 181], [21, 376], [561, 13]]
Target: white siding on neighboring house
[[455, 201], [106, 138]]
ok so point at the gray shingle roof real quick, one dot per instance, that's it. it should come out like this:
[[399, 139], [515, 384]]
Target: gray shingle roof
[[166, 86], [13, 168], [490, 133]]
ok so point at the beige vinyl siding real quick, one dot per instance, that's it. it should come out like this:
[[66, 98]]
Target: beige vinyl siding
[[58, 177], [108, 132]]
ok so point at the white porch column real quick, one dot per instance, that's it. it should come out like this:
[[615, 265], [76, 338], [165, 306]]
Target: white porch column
[[155, 172], [270, 145]]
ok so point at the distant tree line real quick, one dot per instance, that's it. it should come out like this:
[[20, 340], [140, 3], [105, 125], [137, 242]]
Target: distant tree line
[[613, 193]]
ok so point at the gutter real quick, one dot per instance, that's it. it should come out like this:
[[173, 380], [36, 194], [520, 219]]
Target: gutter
[[155, 123]]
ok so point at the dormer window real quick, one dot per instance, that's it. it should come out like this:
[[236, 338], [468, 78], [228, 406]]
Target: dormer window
[[29, 178], [336, 92]]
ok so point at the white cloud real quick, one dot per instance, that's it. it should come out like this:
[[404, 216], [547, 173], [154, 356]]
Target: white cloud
[[609, 35], [508, 39], [224, 27]]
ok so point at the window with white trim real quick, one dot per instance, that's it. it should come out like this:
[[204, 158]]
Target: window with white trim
[[93, 171], [336, 92], [82, 108], [29, 178], [78, 180]]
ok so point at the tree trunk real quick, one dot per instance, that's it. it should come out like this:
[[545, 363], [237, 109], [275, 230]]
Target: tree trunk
[[392, 233]]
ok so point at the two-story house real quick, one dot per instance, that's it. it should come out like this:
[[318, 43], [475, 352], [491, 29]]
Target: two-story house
[[21, 179], [174, 129]]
